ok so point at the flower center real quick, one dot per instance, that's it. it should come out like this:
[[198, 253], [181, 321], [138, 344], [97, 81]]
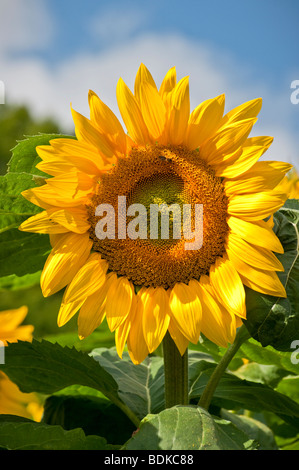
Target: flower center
[[164, 186]]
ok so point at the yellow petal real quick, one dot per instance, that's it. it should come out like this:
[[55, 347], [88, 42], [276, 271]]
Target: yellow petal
[[57, 220], [119, 301], [42, 223], [92, 312], [73, 219], [21, 333], [55, 167], [151, 104], [168, 84], [131, 114], [246, 110], [262, 176], [91, 316], [156, 316], [186, 311], [179, 112], [10, 329], [256, 206], [68, 310], [257, 257], [218, 324], [143, 76], [228, 286], [259, 233], [71, 184], [81, 154], [180, 340], [107, 123], [15, 402], [86, 132], [11, 319], [137, 346], [266, 282], [88, 279], [152, 109], [204, 121], [68, 255], [122, 332], [226, 141], [252, 149], [67, 190], [64, 155]]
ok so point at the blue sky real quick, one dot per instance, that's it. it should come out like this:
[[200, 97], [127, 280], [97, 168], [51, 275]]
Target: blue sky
[[263, 33], [53, 51]]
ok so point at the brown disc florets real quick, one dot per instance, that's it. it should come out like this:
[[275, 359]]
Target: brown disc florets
[[161, 175]]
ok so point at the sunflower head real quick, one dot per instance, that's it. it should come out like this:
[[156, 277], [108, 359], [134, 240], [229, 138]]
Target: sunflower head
[[159, 227]]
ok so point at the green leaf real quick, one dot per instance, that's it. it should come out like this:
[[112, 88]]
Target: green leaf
[[95, 415], [14, 282], [260, 373], [273, 320], [237, 394], [24, 157], [289, 386], [141, 386], [14, 208], [24, 435], [253, 428], [187, 428], [253, 351], [22, 253], [45, 368]]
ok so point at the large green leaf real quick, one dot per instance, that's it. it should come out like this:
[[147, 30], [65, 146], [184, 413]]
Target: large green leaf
[[141, 386], [45, 368], [22, 434], [188, 428], [273, 320]]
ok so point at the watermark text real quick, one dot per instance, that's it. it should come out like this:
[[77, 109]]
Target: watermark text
[[186, 222], [295, 94]]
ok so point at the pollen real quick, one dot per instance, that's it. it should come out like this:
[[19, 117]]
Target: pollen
[[162, 175]]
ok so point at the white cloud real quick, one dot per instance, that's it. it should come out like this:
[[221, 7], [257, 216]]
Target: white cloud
[[49, 91], [115, 24], [24, 25]]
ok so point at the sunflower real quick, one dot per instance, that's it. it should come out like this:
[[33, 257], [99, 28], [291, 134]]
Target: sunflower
[[12, 400], [145, 287]]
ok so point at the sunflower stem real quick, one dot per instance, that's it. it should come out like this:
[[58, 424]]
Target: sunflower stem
[[176, 374], [206, 398]]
